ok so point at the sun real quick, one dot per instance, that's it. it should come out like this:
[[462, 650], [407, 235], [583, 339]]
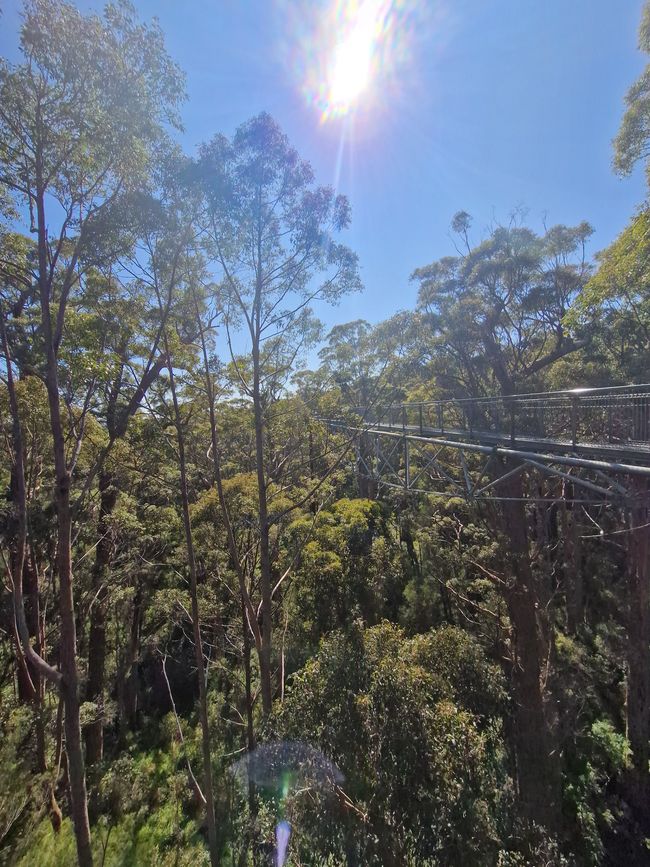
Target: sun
[[350, 70], [350, 56], [353, 58]]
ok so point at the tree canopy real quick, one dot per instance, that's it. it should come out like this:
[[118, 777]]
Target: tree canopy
[[233, 628]]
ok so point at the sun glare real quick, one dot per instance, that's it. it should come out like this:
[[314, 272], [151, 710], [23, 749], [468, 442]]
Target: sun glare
[[352, 62], [354, 56]]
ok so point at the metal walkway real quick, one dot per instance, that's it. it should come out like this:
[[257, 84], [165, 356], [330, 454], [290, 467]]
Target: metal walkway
[[585, 435]]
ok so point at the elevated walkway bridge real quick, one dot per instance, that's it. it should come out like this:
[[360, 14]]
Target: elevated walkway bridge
[[587, 435]]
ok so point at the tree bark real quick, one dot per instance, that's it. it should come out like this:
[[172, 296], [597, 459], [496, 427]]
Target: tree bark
[[638, 683], [249, 615], [572, 565], [265, 548], [196, 625], [32, 665], [117, 422], [36, 629], [538, 775], [68, 639], [127, 685], [94, 732], [248, 681]]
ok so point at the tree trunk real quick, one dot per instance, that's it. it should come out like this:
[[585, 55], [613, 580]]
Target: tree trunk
[[70, 682], [94, 732], [127, 686], [248, 681], [572, 565], [68, 638], [538, 775], [638, 683], [196, 625], [265, 549], [35, 624], [249, 619], [31, 666]]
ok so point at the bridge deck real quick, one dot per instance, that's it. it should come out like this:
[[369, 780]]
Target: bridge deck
[[625, 452]]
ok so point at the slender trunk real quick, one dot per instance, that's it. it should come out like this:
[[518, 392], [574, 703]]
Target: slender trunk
[[572, 565], [32, 669], [70, 682], [312, 461], [248, 681], [66, 678], [263, 512], [196, 626], [249, 614], [26, 689], [537, 766], [638, 683], [117, 420], [24, 650], [35, 624], [94, 732], [127, 686], [265, 548], [364, 463], [250, 731], [68, 638], [28, 675]]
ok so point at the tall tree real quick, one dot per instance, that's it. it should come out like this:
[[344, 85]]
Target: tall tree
[[271, 232], [632, 144], [496, 315], [614, 308], [169, 270], [80, 119]]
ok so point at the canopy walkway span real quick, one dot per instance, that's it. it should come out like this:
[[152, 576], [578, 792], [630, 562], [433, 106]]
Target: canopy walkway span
[[598, 438]]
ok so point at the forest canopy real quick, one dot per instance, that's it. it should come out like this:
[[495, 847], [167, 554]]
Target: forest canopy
[[234, 627]]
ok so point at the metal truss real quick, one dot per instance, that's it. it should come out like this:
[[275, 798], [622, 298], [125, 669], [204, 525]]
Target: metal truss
[[451, 468]]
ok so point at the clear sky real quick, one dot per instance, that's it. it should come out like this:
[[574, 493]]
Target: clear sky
[[481, 105]]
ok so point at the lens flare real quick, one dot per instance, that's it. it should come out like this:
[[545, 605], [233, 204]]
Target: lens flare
[[282, 835], [284, 770], [359, 58], [343, 52], [351, 67]]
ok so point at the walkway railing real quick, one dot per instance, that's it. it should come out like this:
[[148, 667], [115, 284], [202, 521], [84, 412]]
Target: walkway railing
[[618, 416]]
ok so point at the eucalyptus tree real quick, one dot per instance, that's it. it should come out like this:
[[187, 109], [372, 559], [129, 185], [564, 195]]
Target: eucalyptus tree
[[496, 317], [271, 233], [495, 314], [614, 308], [172, 268], [632, 143], [154, 330], [80, 120], [131, 325], [349, 358]]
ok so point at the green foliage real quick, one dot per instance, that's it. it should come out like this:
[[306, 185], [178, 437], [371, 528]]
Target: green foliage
[[481, 307], [631, 142], [392, 647], [156, 842], [15, 775], [614, 308], [348, 568], [428, 777]]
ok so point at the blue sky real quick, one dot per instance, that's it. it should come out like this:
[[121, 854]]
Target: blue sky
[[495, 104]]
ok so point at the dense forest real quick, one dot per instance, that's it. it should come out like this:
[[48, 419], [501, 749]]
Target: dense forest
[[221, 640]]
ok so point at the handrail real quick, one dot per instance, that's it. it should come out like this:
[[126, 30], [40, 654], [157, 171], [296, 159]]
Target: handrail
[[612, 415], [514, 398]]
